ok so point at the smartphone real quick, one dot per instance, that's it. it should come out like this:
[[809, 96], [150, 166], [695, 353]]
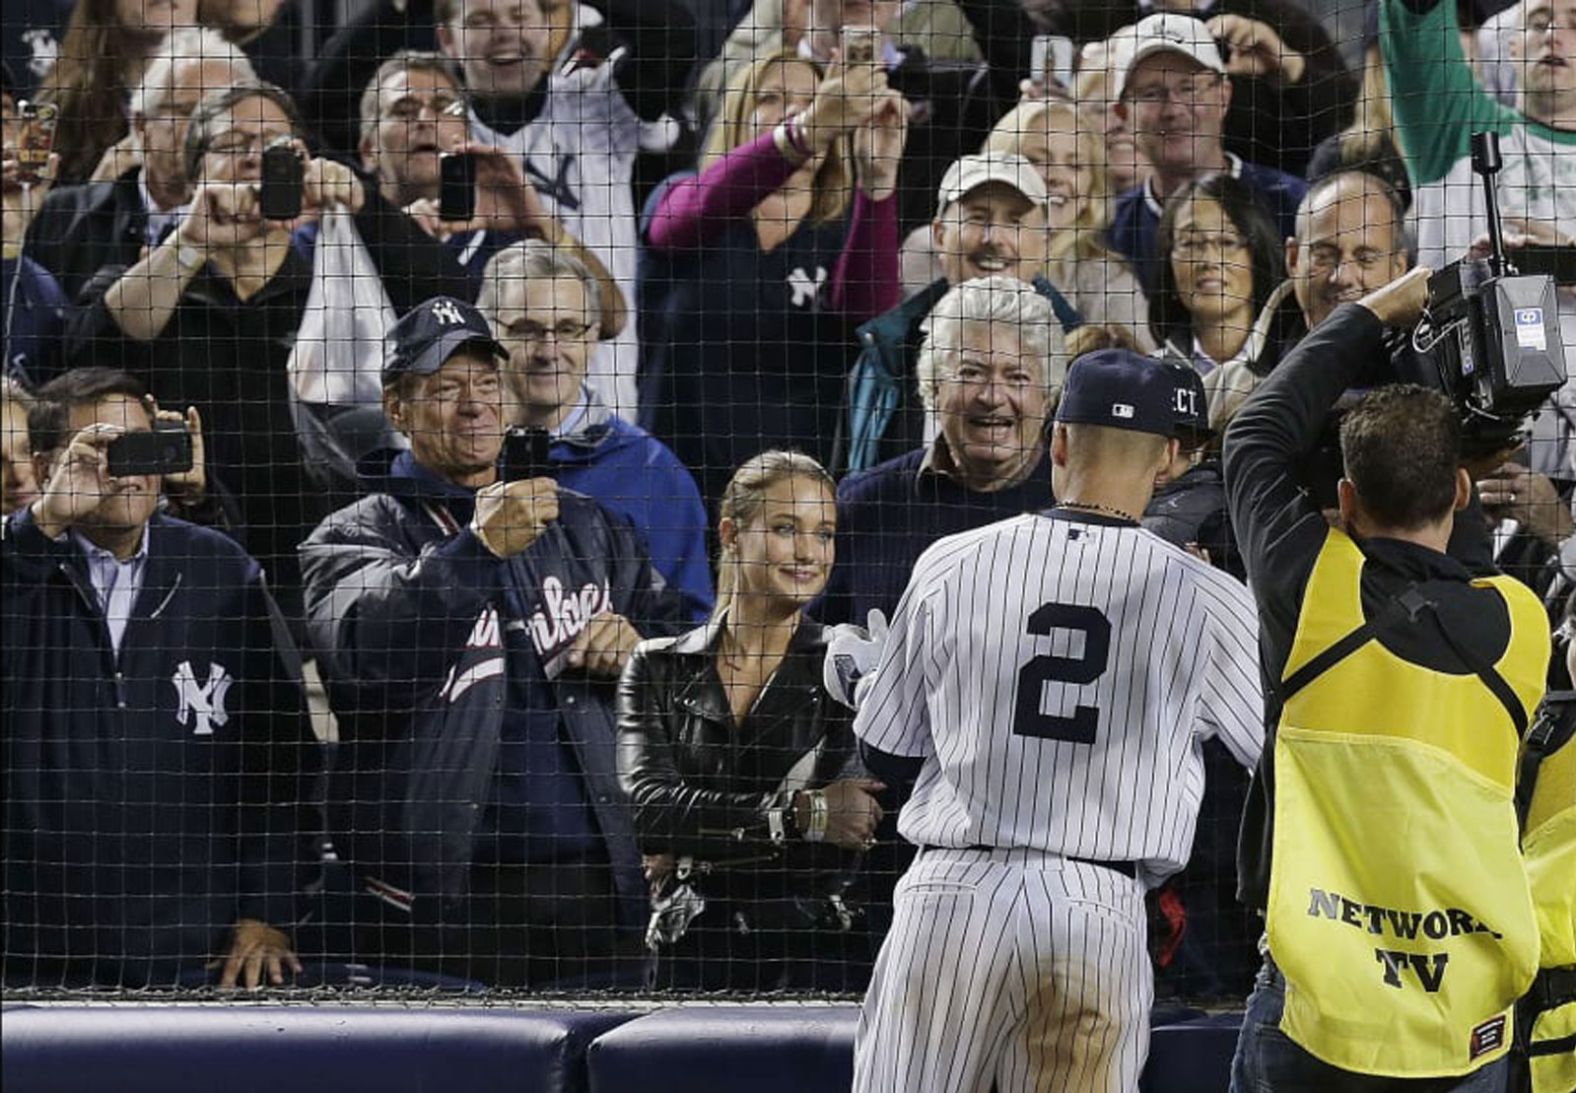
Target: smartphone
[[279, 196], [37, 139], [457, 186], [1546, 259], [166, 449], [859, 44], [525, 454], [1051, 60]]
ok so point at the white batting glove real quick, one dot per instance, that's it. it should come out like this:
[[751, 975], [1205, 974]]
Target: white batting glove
[[852, 654]]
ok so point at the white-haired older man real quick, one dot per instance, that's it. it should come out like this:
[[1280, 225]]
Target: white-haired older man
[[83, 228], [988, 372]]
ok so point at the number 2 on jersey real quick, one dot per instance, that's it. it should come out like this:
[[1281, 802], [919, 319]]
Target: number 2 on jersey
[[1080, 728]]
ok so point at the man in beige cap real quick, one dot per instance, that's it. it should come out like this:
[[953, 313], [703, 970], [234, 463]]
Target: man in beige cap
[[990, 220]]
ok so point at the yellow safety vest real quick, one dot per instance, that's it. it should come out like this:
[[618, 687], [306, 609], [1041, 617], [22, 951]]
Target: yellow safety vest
[[1549, 844], [1399, 909]]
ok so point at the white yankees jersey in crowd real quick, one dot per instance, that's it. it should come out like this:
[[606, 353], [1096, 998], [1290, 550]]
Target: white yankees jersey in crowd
[[579, 154], [1057, 675]]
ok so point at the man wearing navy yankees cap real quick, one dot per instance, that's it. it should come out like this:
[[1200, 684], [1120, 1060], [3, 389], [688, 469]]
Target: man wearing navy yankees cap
[[470, 631], [1054, 743]]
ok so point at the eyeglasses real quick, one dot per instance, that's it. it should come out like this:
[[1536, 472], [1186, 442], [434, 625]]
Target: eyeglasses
[[566, 331], [1186, 93], [1195, 245], [239, 144], [410, 107]]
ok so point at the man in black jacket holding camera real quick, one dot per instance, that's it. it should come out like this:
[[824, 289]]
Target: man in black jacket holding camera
[[470, 630]]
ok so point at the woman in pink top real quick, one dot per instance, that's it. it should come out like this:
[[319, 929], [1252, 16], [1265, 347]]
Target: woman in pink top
[[759, 266]]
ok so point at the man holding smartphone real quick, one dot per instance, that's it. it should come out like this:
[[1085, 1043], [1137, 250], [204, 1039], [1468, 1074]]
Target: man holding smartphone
[[144, 667]]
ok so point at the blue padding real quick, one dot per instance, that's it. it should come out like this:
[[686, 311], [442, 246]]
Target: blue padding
[[1192, 1056], [305, 1049], [757, 1049]]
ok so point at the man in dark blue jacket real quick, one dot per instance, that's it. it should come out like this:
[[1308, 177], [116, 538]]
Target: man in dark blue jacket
[[157, 754], [470, 630]]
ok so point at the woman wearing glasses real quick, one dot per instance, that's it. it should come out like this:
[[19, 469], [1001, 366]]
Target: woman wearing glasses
[[1221, 260]]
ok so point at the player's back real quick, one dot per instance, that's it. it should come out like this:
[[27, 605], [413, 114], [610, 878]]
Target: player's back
[[1072, 667]]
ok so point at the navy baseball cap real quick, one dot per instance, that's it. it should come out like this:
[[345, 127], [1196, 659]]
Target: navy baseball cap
[[1120, 389], [434, 331], [1191, 407]]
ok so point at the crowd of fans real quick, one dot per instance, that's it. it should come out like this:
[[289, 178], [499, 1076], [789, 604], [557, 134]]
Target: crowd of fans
[[790, 285]]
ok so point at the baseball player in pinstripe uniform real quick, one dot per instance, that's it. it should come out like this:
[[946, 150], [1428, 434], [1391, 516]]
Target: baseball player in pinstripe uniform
[[1047, 684]]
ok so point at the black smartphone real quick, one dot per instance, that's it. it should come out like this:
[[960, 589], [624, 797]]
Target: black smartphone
[[279, 196], [1547, 259], [457, 186], [166, 449], [525, 454]]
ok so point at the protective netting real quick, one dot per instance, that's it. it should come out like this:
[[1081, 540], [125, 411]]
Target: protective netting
[[454, 452]]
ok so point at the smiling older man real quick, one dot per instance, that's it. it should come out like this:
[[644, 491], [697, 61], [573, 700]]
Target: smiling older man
[[987, 371]]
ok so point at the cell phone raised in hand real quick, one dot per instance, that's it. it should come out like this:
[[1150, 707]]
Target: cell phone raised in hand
[[457, 186], [524, 454], [859, 44], [165, 449], [279, 196], [36, 141]]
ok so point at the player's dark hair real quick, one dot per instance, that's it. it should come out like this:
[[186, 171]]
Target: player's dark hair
[[1401, 446], [49, 418]]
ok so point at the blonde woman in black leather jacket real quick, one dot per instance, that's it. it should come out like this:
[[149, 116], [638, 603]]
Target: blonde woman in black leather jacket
[[737, 762]]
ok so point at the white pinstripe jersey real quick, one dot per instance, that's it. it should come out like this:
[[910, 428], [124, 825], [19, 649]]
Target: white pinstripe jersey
[[1059, 676]]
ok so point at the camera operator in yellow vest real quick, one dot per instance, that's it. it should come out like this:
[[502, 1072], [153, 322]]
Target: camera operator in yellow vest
[[1381, 839], [1548, 841]]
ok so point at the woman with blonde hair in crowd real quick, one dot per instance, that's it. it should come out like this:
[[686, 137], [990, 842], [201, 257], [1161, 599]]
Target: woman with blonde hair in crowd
[[740, 767], [759, 266], [1069, 154], [101, 57]]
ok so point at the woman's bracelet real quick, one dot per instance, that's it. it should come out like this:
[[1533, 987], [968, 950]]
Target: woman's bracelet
[[820, 817], [791, 141]]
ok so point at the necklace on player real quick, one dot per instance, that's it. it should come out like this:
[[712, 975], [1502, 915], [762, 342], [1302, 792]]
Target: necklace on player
[[1103, 510]]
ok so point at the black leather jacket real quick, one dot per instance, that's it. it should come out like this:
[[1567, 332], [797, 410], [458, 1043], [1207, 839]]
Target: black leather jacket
[[702, 787]]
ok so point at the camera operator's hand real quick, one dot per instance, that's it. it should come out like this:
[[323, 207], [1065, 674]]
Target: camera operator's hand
[[1254, 49], [1530, 499], [510, 516], [1400, 303]]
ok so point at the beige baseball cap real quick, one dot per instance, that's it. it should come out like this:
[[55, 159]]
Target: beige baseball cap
[[1168, 32], [970, 172]]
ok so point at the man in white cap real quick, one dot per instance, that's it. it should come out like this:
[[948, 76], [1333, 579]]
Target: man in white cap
[[1174, 93], [990, 219]]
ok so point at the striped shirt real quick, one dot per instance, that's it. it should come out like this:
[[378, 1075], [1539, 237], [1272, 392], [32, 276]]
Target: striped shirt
[[1058, 674]]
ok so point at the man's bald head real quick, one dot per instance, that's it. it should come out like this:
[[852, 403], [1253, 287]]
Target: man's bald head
[[1351, 239]]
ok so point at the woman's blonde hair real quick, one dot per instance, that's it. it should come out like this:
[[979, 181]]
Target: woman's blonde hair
[[744, 499], [1084, 237], [731, 129]]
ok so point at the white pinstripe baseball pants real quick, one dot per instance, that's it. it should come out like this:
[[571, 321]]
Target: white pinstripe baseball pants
[[1012, 967]]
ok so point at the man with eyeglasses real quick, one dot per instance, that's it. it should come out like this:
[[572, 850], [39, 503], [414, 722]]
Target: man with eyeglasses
[[81, 228], [544, 308], [412, 113], [1174, 92], [209, 316]]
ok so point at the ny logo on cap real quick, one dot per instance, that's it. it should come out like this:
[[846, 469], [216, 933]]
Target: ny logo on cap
[[1121, 409], [445, 311]]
